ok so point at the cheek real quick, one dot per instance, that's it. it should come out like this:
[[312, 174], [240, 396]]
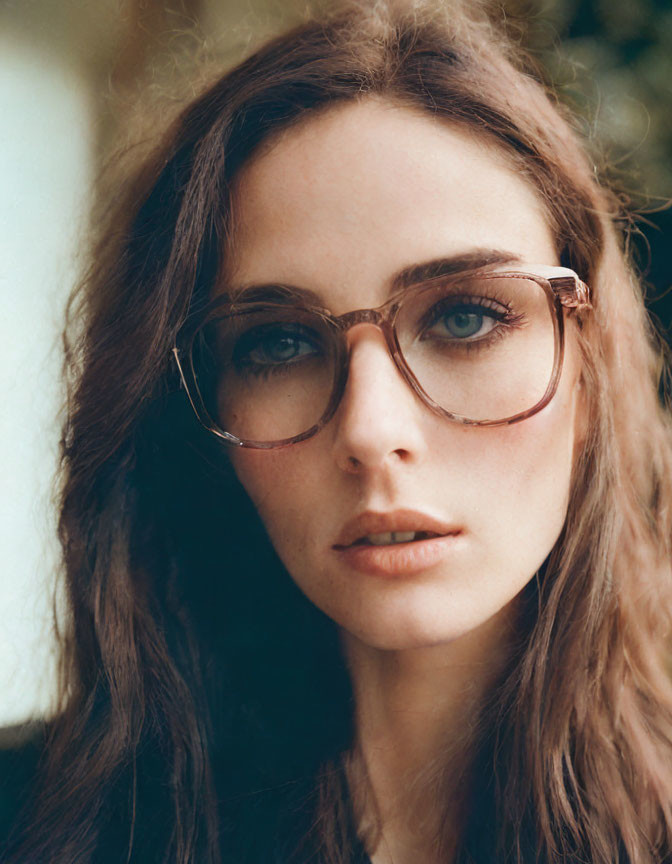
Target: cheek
[[522, 481], [279, 484]]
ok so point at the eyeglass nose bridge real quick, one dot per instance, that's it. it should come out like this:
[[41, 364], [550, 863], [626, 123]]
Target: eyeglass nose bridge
[[362, 316], [383, 317]]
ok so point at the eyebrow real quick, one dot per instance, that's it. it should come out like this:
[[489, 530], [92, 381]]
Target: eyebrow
[[439, 268], [415, 274]]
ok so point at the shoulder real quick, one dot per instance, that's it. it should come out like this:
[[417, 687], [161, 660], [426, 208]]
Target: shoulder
[[20, 750]]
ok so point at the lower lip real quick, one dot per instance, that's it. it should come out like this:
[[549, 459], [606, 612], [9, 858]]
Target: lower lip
[[399, 559]]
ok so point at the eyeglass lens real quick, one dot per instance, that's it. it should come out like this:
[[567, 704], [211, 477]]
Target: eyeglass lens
[[483, 348]]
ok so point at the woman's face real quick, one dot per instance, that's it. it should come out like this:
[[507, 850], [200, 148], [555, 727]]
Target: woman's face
[[339, 205]]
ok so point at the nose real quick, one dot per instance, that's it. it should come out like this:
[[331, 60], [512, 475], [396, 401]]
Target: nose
[[379, 420]]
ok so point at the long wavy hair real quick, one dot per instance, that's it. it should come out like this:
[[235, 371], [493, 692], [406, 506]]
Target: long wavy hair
[[205, 711]]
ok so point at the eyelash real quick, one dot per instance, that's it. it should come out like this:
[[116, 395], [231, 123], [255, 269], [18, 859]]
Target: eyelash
[[504, 315], [266, 370]]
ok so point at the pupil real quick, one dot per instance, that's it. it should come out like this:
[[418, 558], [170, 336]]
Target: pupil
[[281, 347], [464, 323]]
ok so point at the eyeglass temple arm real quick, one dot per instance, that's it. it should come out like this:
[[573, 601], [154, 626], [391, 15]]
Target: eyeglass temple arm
[[183, 383], [571, 291]]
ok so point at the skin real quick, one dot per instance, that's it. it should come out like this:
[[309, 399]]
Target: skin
[[338, 205]]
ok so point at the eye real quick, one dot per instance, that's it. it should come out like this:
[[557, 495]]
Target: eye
[[275, 345], [460, 321], [464, 324]]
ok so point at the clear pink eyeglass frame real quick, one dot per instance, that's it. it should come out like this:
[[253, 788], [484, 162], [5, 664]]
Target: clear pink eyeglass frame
[[561, 285]]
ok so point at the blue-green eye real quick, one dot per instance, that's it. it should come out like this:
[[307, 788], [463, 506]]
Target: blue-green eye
[[275, 345], [463, 323], [280, 347]]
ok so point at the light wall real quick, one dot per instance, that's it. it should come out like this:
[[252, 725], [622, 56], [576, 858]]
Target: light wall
[[45, 177]]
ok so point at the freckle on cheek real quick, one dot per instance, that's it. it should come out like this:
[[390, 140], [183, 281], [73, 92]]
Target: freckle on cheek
[[267, 475], [541, 442]]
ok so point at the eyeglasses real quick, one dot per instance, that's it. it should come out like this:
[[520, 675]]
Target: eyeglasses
[[482, 348]]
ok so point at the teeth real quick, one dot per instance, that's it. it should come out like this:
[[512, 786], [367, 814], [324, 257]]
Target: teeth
[[380, 539], [404, 536], [389, 537]]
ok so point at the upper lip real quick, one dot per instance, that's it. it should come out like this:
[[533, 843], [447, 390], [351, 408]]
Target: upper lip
[[371, 522]]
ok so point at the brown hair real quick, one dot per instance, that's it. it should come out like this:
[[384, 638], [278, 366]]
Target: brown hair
[[175, 663]]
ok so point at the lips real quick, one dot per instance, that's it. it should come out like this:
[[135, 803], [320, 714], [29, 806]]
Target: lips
[[356, 531], [434, 541]]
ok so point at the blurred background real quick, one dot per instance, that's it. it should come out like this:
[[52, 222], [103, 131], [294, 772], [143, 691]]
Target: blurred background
[[70, 75]]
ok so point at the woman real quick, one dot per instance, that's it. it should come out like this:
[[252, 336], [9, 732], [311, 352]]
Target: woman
[[397, 588]]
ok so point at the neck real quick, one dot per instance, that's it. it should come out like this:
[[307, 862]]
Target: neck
[[417, 714]]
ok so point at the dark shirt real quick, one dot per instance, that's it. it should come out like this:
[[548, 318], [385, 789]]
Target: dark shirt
[[263, 830], [20, 749]]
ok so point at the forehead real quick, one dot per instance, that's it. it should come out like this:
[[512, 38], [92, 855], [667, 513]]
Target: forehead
[[348, 197]]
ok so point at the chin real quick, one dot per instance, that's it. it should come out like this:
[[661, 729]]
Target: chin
[[417, 622], [406, 633]]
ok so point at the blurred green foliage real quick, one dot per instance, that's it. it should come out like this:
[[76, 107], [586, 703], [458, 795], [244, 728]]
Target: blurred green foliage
[[624, 48], [611, 60]]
